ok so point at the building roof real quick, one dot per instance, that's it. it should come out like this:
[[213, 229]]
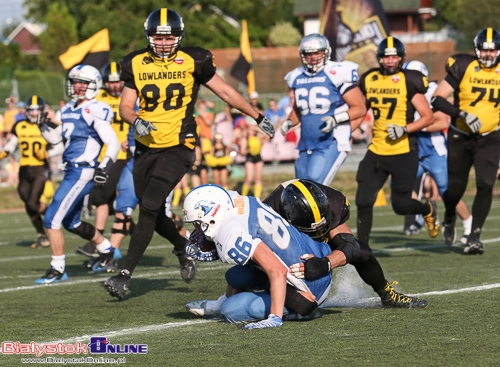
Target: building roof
[[34, 29]]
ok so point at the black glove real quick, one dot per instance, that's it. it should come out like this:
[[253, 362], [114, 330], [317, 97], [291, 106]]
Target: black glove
[[316, 267], [100, 177], [265, 125], [42, 119]]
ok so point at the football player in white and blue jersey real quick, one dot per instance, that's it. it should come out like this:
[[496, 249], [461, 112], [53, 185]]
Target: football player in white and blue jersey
[[327, 102], [85, 127], [262, 246]]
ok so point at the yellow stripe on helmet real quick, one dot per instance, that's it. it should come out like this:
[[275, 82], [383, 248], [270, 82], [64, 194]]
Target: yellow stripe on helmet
[[163, 17], [34, 101], [310, 200], [489, 34], [112, 68], [390, 42]]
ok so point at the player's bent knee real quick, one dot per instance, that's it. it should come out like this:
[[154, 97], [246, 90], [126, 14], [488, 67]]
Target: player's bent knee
[[297, 302], [245, 306]]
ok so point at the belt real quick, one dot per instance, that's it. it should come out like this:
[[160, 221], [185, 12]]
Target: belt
[[77, 164]]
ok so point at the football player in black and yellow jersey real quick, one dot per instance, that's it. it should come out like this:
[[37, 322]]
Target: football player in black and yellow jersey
[[393, 95], [474, 136], [103, 196], [34, 168], [166, 78]]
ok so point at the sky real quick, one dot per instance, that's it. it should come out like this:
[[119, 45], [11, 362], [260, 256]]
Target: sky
[[10, 9]]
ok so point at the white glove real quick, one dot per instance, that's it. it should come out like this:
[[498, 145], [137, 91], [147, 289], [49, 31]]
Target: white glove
[[471, 120], [143, 127], [286, 126], [330, 124], [395, 132]]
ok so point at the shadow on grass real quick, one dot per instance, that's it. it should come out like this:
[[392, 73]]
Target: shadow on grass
[[424, 244]]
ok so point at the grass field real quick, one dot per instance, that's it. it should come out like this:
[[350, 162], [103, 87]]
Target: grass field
[[459, 328]]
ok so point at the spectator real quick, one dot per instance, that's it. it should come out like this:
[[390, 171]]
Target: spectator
[[250, 146], [274, 113], [9, 116], [254, 101], [219, 160]]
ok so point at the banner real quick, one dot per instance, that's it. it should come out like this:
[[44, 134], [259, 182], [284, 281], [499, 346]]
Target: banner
[[93, 51], [242, 69], [354, 29]]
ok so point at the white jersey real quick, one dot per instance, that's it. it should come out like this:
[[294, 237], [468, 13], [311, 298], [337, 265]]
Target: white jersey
[[252, 222], [84, 130]]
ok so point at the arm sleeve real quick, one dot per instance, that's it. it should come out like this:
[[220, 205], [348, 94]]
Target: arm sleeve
[[53, 135], [56, 150], [11, 145], [108, 136]]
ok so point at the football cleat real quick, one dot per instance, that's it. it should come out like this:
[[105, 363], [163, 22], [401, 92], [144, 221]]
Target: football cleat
[[52, 276], [89, 250], [41, 241], [297, 317], [432, 220], [107, 262], [449, 231], [204, 307], [413, 229], [393, 299], [188, 266], [118, 285], [473, 246]]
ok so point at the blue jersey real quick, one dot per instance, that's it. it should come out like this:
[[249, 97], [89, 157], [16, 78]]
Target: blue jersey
[[82, 143], [318, 95], [252, 222]]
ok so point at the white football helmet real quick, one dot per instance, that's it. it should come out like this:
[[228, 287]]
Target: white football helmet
[[416, 65], [313, 43], [206, 207], [87, 74]]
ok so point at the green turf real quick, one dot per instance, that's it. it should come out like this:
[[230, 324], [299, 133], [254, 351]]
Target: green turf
[[459, 328]]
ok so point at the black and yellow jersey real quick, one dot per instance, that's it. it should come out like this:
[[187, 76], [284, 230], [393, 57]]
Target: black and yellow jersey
[[167, 91], [389, 97], [477, 91], [119, 126], [30, 140]]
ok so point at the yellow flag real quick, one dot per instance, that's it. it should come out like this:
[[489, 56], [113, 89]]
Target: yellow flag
[[93, 51]]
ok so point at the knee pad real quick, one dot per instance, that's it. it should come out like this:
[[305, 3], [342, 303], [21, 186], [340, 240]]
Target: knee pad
[[84, 230], [346, 243], [124, 231]]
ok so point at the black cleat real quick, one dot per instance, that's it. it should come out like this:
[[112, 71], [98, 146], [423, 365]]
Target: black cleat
[[89, 250], [393, 299], [473, 246], [188, 267], [41, 241], [118, 285], [449, 231]]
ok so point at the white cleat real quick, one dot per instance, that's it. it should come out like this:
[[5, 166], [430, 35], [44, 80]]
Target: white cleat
[[204, 307]]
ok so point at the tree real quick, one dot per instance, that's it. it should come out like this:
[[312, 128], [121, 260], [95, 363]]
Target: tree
[[61, 33], [467, 17], [284, 34]]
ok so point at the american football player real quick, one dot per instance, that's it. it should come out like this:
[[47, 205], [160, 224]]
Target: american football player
[[474, 134], [327, 102]]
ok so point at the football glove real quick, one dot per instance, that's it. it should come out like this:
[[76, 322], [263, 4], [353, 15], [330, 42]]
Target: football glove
[[265, 125], [3, 154], [143, 127], [100, 177], [286, 126], [472, 121], [42, 119], [332, 121], [395, 132], [312, 268], [42, 154], [271, 321]]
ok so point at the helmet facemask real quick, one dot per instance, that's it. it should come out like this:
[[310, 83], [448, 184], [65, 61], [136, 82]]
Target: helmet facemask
[[85, 74], [164, 22], [35, 107]]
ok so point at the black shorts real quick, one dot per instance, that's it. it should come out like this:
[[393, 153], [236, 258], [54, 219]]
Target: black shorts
[[254, 158], [157, 171]]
